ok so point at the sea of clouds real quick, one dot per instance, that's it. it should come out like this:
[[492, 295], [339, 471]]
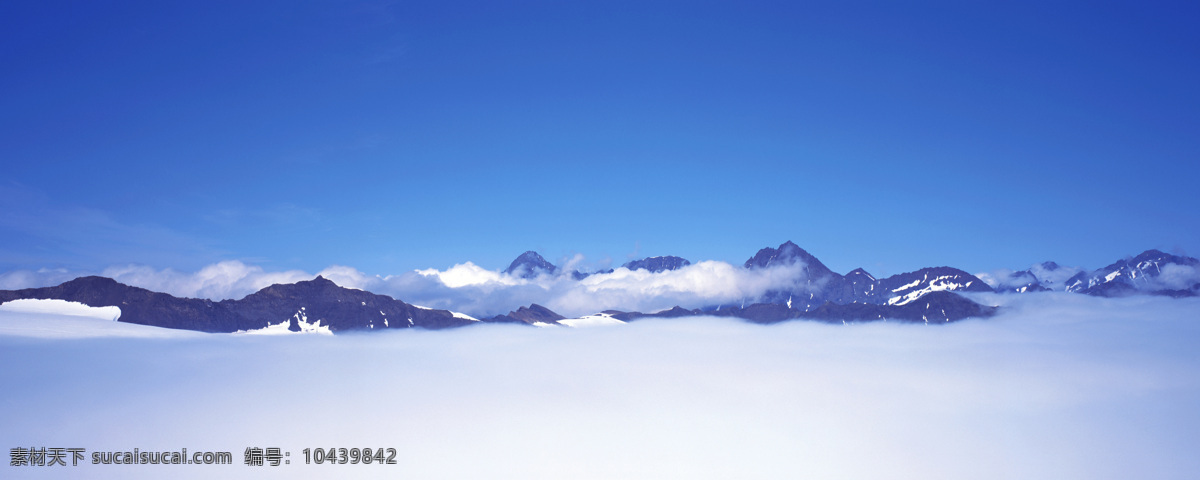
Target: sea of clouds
[[1057, 386]]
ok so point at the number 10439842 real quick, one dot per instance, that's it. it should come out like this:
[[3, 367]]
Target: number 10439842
[[342, 456]]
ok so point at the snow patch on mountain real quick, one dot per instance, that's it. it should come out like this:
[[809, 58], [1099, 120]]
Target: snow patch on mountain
[[284, 327], [942, 283], [61, 307], [61, 319], [595, 320]]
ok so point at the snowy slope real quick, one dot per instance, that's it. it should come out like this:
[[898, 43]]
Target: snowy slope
[[63, 319], [596, 320]]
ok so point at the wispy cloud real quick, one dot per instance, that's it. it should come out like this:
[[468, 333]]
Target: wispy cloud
[[38, 230]]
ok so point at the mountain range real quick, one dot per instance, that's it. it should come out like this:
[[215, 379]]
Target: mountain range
[[926, 295], [302, 305]]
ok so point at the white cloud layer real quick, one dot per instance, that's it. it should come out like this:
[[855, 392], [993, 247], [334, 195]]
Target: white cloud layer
[[467, 287], [480, 292], [1059, 385]]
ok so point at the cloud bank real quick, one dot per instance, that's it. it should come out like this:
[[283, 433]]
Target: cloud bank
[[1060, 385], [467, 287]]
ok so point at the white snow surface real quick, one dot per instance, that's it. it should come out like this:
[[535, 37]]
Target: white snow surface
[[301, 318], [454, 314], [63, 319], [936, 285], [61, 307], [907, 286], [596, 320]]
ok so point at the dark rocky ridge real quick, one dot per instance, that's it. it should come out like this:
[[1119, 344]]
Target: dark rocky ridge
[[933, 307], [821, 285], [658, 264], [530, 315], [1137, 275], [142, 306], [339, 308], [925, 295]]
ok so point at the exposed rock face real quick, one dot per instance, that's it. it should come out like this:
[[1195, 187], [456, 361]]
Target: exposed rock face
[[141, 306], [658, 264], [926, 295], [818, 285], [315, 300], [530, 265], [1151, 272], [934, 307], [528, 315]]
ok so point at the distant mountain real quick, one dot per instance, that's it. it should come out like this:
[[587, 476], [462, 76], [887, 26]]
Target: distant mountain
[[820, 285], [925, 295], [906, 288], [1052, 276], [1020, 282], [658, 264], [1151, 272], [314, 302], [340, 308], [530, 265], [530, 315], [1043, 277], [937, 307], [818, 293], [862, 284], [141, 306]]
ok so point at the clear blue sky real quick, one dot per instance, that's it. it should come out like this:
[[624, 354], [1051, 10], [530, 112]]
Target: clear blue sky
[[389, 136]]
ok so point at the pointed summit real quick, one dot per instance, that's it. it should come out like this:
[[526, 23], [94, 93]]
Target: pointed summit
[[530, 265], [786, 254], [859, 271], [321, 282]]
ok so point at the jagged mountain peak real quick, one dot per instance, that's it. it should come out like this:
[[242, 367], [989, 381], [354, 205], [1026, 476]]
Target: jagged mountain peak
[[787, 253], [1151, 271], [1153, 255], [533, 314], [529, 265], [860, 271]]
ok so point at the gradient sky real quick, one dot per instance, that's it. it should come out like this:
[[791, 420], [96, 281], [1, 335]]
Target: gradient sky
[[390, 136]]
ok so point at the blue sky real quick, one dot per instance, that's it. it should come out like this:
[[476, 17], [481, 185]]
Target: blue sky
[[390, 136]]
